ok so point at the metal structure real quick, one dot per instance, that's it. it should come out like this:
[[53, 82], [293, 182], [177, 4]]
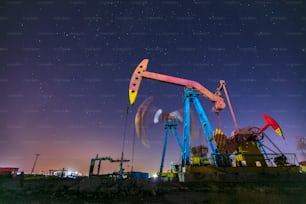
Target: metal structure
[[59, 172], [170, 126], [192, 96], [148, 115], [245, 143], [8, 170], [192, 91], [141, 71], [100, 159]]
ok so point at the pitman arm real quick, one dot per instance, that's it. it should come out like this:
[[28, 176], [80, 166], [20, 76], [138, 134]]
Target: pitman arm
[[141, 71]]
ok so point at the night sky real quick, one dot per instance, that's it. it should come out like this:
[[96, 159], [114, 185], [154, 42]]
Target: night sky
[[65, 68]]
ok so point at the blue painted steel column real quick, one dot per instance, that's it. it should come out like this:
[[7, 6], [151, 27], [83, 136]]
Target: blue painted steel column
[[174, 132], [204, 123], [164, 150], [186, 134]]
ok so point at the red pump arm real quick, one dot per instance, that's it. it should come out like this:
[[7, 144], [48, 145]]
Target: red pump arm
[[141, 71]]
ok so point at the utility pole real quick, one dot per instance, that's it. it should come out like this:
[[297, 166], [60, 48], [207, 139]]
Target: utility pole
[[121, 170], [35, 161]]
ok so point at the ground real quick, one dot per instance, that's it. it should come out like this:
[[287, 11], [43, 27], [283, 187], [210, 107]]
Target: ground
[[238, 189]]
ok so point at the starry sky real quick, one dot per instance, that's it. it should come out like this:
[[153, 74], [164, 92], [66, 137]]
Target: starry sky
[[65, 68]]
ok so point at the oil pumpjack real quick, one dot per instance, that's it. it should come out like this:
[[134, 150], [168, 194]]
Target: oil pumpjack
[[147, 114], [245, 144]]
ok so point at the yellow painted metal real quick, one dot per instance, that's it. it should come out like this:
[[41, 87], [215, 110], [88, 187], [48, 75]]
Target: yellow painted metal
[[213, 169], [196, 160], [303, 168], [168, 174], [239, 157], [132, 96], [279, 132], [248, 154]]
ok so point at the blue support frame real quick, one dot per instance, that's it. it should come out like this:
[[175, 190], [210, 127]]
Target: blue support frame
[[174, 132], [193, 95], [164, 150], [205, 124], [169, 126]]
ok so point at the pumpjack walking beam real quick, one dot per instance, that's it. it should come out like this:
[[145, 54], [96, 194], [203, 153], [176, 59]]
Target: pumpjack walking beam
[[141, 71], [194, 89]]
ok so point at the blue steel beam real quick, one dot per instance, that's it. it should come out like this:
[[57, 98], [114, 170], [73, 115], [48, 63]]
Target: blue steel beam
[[169, 126], [164, 149], [174, 132], [192, 95], [205, 124], [186, 133]]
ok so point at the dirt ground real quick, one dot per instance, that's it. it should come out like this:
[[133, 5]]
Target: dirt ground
[[85, 190]]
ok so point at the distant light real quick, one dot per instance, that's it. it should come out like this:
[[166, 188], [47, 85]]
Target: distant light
[[155, 175]]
